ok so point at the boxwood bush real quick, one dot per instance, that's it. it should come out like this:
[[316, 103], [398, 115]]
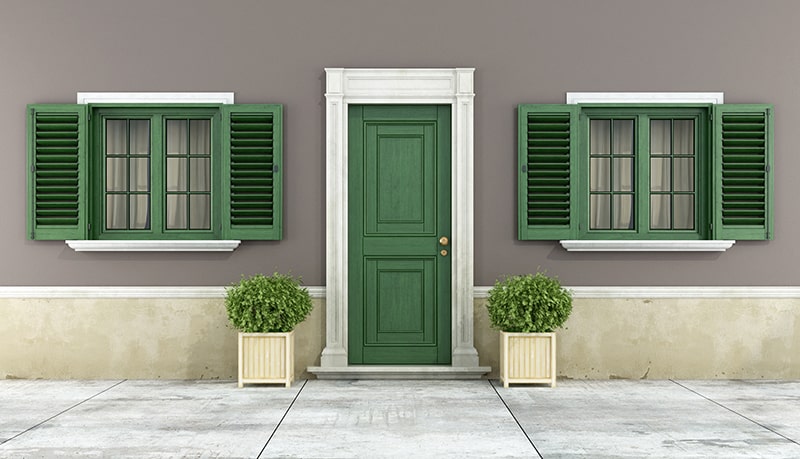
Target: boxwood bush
[[267, 304], [529, 304]]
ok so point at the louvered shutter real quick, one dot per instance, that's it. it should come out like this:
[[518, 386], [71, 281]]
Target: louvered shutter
[[57, 161], [743, 185], [252, 169], [547, 147]]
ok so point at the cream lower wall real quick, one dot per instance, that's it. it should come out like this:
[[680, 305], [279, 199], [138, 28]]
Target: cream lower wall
[[151, 338]]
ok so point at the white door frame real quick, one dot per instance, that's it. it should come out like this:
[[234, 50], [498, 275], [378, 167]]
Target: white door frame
[[399, 86]]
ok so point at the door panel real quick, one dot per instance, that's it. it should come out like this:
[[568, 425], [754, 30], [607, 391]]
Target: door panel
[[399, 206]]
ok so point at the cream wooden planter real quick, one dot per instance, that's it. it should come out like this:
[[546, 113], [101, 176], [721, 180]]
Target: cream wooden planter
[[528, 358], [266, 358]]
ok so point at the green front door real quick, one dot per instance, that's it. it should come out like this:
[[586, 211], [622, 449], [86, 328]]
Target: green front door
[[399, 208]]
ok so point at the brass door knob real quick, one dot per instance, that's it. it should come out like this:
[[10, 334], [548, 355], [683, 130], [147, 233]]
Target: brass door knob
[[443, 240]]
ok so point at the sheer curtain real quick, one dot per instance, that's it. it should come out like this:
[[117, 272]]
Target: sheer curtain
[[127, 174], [611, 169], [188, 170], [672, 174]]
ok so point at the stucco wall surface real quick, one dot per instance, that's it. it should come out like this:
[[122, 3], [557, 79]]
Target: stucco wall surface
[[603, 338], [524, 51]]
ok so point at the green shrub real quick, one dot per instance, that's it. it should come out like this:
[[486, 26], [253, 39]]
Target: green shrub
[[266, 304], [529, 304]]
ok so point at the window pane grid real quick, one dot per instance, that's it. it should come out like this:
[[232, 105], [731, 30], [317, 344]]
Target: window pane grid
[[672, 177], [612, 174], [127, 174], [188, 174]]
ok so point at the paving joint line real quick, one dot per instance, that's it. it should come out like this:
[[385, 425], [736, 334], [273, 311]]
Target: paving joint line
[[516, 420], [282, 418], [737, 413], [62, 412]]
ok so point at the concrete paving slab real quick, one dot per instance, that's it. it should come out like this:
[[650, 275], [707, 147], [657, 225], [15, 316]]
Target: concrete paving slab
[[157, 419], [604, 419], [773, 404], [398, 419], [26, 403]]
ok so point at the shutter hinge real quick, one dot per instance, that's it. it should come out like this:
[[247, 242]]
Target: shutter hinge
[[767, 234], [524, 168], [767, 168], [33, 234], [90, 227], [276, 168], [33, 168]]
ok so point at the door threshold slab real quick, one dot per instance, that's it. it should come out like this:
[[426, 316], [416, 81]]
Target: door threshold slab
[[399, 372]]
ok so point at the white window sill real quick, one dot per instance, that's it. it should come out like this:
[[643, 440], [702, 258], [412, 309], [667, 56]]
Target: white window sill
[[153, 246], [646, 246]]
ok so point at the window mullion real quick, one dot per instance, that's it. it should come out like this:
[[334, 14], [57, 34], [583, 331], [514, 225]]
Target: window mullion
[[157, 171], [642, 190]]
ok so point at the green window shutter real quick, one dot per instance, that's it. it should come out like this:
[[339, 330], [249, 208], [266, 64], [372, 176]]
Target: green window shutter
[[252, 151], [743, 184], [548, 147], [57, 162]]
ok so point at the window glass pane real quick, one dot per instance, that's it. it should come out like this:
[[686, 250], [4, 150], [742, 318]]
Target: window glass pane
[[200, 174], [200, 141], [116, 137], [177, 137], [660, 143], [600, 211], [684, 137], [140, 174], [116, 173], [140, 211], [600, 137], [684, 211], [660, 174], [623, 211], [600, 179], [176, 211], [116, 211], [140, 137], [683, 174], [660, 211], [200, 211], [623, 137], [176, 174], [623, 174]]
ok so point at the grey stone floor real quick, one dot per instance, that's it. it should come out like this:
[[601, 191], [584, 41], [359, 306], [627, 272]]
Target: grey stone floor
[[593, 419]]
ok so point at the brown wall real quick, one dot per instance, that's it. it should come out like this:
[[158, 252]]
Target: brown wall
[[275, 52]]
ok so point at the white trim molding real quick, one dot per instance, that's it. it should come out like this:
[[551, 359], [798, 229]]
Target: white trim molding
[[318, 292], [645, 246], [155, 97], [672, 292], [106, 245], [645, 97], [453, 86], [90, 292]]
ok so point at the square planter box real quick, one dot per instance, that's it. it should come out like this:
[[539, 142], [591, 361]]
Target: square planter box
[[527, 358], [266, 358]]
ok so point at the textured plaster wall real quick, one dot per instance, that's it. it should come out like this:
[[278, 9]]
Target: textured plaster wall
[[131, 338], [603, 338]]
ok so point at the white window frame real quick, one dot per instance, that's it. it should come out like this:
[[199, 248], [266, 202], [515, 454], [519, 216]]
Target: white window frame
[[587, 245], [151, 245]]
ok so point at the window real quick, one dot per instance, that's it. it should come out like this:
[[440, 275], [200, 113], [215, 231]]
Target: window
[[645, 172], [154, 171]]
